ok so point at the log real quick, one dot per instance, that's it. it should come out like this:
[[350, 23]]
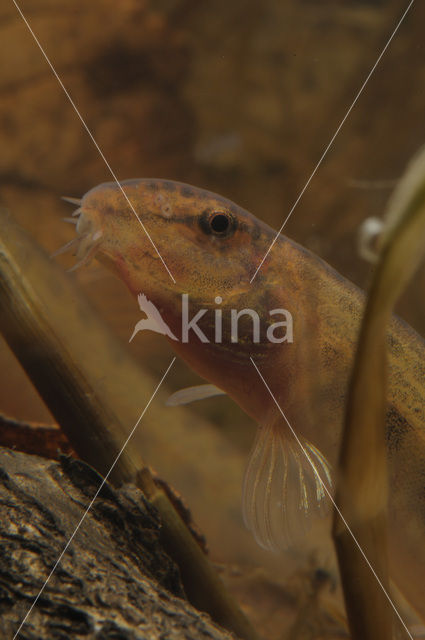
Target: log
[[114, 581]]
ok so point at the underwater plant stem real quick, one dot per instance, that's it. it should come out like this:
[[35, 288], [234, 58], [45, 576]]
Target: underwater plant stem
[[64, 349], [195, 568], [28, 326], [362, 489]]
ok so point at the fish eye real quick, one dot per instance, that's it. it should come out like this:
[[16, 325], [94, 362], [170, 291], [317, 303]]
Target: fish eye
[[218, 223]]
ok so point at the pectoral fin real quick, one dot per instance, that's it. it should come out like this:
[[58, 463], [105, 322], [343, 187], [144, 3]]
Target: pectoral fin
[[283, 488], [191, 394]]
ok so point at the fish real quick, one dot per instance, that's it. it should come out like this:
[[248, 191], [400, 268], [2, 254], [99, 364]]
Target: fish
[[212, 247]]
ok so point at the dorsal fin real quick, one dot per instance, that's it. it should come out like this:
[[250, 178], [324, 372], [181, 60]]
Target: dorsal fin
[[283, 487]]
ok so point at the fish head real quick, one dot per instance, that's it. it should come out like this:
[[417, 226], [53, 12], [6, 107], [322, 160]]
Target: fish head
[[147, 220], [167, 239], [170, 241]]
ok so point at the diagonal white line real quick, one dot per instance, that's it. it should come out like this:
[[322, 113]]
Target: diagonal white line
[[64, 550], [341, 124], [91, 136], [330, 496]]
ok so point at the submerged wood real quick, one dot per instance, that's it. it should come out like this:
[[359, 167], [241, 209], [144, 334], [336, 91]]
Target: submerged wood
[[363, 476], [45, 440], [116, 581], [65, 351]]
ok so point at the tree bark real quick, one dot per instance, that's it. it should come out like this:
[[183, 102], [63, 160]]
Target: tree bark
[[114, 581]]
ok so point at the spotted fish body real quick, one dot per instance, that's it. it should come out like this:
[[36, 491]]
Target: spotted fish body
[[212, 248]]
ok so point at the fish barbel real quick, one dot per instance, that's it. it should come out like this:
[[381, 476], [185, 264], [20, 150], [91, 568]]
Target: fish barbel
[[212, 248]]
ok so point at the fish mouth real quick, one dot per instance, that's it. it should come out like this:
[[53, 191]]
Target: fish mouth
[[89, 236]]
